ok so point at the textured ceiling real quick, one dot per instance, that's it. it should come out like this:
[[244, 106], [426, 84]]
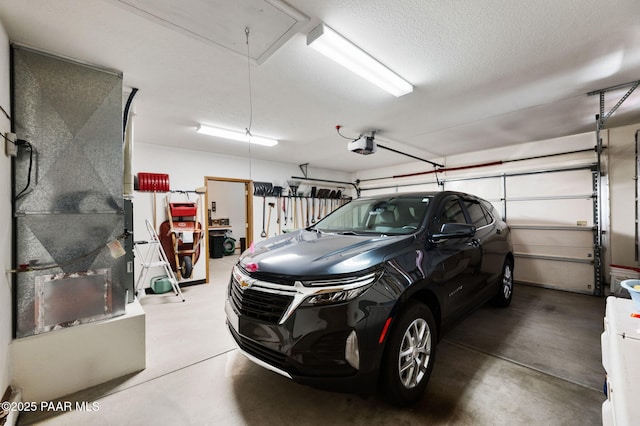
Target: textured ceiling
[[486, 73], [217, 22]]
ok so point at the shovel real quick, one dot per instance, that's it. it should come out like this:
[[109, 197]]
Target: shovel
[[277, 192], [322, 203], [307, 215], [293, 189], [263, 234], [284, 210], [271, 206], [313, 206], [262, 189]]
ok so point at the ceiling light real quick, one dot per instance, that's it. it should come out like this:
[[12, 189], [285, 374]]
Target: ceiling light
[[235, 135], [334, 46]]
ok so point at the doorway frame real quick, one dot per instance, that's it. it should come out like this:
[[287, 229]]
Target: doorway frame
[[248, 191]]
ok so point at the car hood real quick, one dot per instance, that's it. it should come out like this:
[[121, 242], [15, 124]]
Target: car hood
[[311, 254]]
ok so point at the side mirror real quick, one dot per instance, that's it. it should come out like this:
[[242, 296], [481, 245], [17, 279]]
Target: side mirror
[[454, 230]]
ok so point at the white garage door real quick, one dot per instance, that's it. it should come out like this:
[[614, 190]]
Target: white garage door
[[550, 205], [551, 214]]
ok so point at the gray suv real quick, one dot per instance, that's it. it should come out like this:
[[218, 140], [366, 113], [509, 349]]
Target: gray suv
[[358, 301]]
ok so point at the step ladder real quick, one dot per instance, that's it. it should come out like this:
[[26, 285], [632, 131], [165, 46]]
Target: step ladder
[[154, 257]]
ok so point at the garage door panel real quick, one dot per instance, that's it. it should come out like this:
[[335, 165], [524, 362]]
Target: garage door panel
[[559, 239], [551, 215], [570, 244], [557, 251], [427, 187], [564, 212], [575, 182], [572, 276], [374, 192], [488, 188]]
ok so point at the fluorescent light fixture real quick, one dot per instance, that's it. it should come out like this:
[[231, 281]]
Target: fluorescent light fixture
[[235, 135], [334, 46]]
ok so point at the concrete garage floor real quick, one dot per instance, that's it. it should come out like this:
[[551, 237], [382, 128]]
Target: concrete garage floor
[[536, 362]]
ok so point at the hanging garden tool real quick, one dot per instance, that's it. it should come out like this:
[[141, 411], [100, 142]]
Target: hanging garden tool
[[289, 209], [293, 187], [277, 192], [302, 208], [321, 195], [308, 208], [271, 206], [301, 202], [313, 204], [284, 208], [262, 189], [263, 234], [279, 220], [327, 202], [279, 216]]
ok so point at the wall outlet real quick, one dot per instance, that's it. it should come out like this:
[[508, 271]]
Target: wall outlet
[[10, 147]]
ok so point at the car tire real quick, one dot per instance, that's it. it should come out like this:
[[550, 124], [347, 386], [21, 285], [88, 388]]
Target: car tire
[[505, 289], [186, 267], [409, 355]]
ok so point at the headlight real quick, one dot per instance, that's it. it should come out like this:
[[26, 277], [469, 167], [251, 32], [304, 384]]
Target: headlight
[[342, 290]]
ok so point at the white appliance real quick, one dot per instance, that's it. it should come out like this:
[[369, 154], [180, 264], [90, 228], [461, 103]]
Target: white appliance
[[621, 360]]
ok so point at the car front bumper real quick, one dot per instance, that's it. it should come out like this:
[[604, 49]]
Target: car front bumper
[[311, 346]]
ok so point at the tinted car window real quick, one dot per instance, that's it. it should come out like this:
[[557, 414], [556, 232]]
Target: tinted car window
[[487, 212], [451, 213], [492, 213], [476, 213]]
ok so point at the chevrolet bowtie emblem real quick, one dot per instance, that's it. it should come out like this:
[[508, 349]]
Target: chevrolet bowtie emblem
[[245, 284]]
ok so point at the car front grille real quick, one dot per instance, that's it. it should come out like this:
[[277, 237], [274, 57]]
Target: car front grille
[[258, 304]]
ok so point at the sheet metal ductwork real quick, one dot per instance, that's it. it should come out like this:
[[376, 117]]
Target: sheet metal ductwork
[[72, 207]]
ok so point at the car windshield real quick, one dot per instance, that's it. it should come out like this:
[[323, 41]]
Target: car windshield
[[389, 216]]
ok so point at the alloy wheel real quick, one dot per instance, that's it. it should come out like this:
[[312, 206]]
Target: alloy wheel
[[507, 281], [414, 354]]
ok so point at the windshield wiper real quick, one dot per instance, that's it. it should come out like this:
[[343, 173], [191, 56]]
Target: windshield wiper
[[347, 233]]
